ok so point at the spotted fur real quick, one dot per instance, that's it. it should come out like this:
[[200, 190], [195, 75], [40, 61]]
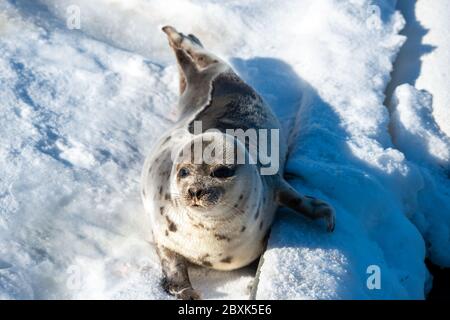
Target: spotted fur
[[232, 232]]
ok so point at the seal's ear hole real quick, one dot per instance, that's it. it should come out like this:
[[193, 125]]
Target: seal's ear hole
[[223, 172]]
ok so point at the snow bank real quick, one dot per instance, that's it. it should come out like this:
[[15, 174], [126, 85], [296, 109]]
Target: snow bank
[[428, 148], [423, 61], [81, 109], [435, 73], [420, 119], [343, 149]]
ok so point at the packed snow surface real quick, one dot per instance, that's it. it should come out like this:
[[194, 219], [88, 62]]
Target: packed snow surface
[[424, 59], [81, 109]]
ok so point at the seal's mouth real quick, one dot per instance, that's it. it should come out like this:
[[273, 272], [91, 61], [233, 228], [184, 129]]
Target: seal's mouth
[[202, 198], [203, 204], [196, 205]]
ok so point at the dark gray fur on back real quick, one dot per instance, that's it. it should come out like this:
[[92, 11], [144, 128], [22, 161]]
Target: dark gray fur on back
[[234, 105]]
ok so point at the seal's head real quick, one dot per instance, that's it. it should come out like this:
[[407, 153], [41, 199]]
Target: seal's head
[[210, 177]]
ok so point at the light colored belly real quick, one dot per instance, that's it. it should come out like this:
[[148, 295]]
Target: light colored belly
[[215, 249]]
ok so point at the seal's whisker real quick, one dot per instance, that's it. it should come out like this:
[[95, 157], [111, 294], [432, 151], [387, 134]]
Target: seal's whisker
[[177, 197], [233, 208]]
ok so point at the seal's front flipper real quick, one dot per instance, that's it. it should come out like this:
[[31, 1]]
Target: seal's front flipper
[[176, 279], [308, 206]]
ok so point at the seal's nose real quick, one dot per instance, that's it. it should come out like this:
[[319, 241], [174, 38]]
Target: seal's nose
[[196, 193]]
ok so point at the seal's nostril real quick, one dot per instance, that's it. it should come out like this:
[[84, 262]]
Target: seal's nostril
[[191, 192], [196, 193], [199, 193]]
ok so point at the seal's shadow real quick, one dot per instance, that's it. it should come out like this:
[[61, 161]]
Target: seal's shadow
[[276, 82], [320, 146], [295, 102]]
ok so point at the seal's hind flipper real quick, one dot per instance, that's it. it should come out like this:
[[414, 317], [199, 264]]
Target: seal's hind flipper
[[186, 65], [195, 39], [192, 46], [175, 37]]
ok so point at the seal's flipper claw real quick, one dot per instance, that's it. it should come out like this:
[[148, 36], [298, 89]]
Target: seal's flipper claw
[[331, 220], [176, 278], [188, 294]]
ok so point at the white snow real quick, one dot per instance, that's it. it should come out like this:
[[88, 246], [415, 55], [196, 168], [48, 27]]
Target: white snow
[[424, 58], [82, 108], [435, 72], [420, 138], [343, 149]]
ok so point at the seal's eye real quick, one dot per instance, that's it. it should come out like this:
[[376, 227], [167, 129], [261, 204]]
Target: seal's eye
[[183, 173], [223, 172]]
